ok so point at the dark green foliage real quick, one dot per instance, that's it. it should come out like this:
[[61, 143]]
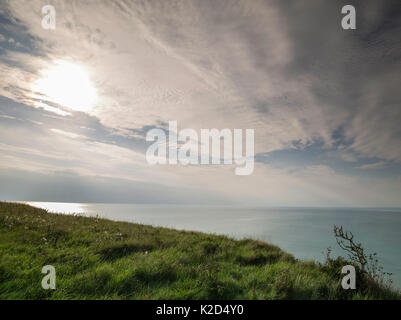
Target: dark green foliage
[[119, 250]]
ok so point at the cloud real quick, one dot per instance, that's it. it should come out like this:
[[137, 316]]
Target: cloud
[[69, 187], [321, 100], [67, 134], [376, 165]]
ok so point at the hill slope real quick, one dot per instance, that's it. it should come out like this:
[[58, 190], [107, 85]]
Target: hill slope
[[101, 259]]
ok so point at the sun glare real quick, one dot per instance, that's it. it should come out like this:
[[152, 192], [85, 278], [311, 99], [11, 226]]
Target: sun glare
[[68, 85]]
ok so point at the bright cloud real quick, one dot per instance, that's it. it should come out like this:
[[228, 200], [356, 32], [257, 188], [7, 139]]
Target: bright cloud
[[324, 103]]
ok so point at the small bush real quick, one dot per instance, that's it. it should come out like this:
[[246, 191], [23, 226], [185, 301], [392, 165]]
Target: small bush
[[209, 247], [252, 259], [370, 276]]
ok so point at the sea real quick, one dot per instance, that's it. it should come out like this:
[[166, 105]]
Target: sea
[[304, 232]]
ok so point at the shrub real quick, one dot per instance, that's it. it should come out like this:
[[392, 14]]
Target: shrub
[[370, 275]]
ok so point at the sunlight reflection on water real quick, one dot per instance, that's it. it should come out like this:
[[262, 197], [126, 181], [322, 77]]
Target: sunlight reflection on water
[[59, 207]]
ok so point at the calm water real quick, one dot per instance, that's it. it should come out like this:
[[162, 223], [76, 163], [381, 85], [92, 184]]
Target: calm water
[[304, 232]]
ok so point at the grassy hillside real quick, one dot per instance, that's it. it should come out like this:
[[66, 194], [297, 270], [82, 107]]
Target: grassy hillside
[[101, 259]]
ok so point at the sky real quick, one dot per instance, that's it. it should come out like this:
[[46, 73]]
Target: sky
[[76, 102]]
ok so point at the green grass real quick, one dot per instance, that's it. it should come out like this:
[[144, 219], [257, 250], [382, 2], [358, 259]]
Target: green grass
[[102, 259]]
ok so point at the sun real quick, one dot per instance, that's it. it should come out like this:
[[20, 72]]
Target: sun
[[68, 85]]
